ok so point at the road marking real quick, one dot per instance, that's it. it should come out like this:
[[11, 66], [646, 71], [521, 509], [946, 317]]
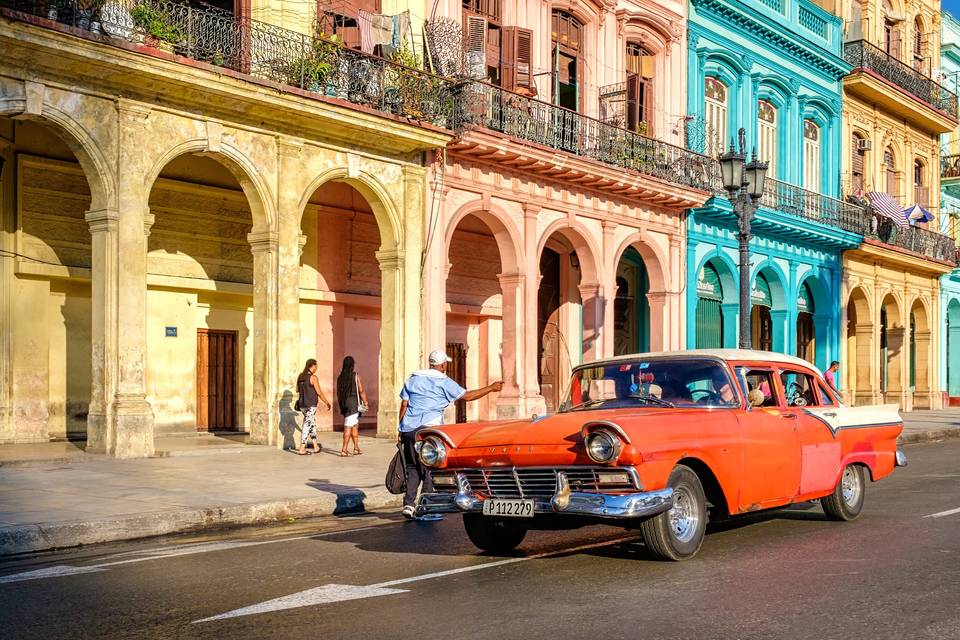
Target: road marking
[[61, 571], [341, 592], [943, 514]]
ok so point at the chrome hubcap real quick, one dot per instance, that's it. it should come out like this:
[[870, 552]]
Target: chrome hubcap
[[850, 486], [684, 516]]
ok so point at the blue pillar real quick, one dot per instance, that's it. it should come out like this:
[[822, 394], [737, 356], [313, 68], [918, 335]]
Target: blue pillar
[[780, 329], [731, 316], [692, 275]]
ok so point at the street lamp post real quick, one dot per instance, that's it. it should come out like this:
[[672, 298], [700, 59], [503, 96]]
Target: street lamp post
[[744, 183]]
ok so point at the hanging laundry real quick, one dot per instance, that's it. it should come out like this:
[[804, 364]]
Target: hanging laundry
[[365, 22], [381, 28], [401, 28]]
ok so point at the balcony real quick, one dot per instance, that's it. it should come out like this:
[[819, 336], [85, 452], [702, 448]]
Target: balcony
[[800, 203], [552, 128], [928, 104], [924, 242], [253, 50], [950, 167]]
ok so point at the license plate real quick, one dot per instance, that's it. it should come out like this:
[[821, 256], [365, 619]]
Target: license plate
[[508, 508]]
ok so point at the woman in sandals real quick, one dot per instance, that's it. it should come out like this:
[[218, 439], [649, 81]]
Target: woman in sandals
[[353, 402], [308, 389]]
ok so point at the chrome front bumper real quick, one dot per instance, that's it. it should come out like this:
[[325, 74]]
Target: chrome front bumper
[[564, 501]]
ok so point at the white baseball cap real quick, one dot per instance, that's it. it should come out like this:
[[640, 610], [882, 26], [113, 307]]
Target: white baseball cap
[[437, 356]]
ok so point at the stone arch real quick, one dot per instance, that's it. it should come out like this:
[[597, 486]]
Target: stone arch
[[501, 225], [374, 192], [656, 263], [727, 270], [244, 170], [777, 314], [822, 325], [725, 311], [952, 347], [860, 339], [582, 241], [777, 280], [99, 173], [892, 346]]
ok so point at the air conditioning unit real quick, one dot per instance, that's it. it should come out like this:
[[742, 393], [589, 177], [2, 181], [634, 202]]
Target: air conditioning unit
[[864, 144]]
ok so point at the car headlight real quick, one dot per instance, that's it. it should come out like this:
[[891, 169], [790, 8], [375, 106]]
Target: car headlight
[[603, 447], [433, 453]]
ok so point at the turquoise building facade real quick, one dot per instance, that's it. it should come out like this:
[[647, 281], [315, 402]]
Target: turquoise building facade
[[773, 67], [949, 216]]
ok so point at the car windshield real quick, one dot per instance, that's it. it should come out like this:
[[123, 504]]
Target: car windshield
[[664, 382]]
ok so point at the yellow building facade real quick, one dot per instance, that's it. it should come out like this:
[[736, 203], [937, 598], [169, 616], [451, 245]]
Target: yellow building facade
[[894, 112], [178, 237]]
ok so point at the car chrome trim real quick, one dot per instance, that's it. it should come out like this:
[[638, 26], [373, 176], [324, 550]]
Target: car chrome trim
[[613, 426], [900, 458], [423, 433]]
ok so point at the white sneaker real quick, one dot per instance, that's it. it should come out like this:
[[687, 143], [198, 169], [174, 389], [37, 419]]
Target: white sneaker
[[408, 511]]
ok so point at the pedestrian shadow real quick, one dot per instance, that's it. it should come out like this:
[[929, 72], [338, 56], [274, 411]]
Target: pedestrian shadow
[[288, 420], [350, 500]]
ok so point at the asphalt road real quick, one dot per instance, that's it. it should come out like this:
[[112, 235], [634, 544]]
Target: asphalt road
[[894, 573]]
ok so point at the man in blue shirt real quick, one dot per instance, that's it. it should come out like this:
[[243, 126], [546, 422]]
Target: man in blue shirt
[[423, 398]]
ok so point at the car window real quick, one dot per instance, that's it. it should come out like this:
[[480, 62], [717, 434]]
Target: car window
[[825, 398], [798, 389], [761, 381]]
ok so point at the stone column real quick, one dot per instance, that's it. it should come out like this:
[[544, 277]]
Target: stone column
[[510, 404], [391, 340], [609, 258], [264, 420], [7, 229], [895, 366], [290, 243], [530, 364], [866, 358], [661, 309], [414, 224], [924, 391], [731, 315], [104, 237], [778, 319], [592, 314]]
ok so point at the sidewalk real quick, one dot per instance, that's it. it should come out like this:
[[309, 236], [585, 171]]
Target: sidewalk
[[76, 498], [56, 495]]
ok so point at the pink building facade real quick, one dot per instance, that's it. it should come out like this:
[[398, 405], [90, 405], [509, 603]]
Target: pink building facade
[[555, 221]]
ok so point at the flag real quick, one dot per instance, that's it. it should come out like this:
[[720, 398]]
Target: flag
[[885, 205]]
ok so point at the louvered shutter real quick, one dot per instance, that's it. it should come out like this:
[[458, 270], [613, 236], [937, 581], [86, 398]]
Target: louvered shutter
[[633, 101], [476, 41], [516, 61]]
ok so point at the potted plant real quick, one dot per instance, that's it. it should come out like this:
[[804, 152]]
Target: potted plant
[[156, 27], [53, 10], [87, 14]]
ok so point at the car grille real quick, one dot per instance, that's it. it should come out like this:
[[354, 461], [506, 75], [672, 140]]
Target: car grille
[[532, 482]]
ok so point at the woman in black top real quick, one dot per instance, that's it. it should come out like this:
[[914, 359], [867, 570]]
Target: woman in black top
[[308, 388], [350, 393]]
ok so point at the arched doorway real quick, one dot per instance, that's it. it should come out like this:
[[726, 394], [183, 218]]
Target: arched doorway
[[891, 350], [568, 316], [200, 307], [919, 374], [953, 348], [631, 311], [806, 328], [717, 306], [761, 321], [341, 292], [46, 346], [475, 312]]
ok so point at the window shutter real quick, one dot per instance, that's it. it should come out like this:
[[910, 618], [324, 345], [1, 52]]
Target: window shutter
[[857, 155], [648, 67], [476, 41], [516, 61], [633, 101], [895, 43]]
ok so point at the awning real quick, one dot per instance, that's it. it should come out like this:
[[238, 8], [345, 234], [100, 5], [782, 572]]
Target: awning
[[760, 295], [885, 205], [916, 214]]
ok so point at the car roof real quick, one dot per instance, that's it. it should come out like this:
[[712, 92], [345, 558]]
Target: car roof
[[747, 355]]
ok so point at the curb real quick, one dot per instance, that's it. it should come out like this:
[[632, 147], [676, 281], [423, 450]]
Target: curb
[[59, 535], [929, 436]]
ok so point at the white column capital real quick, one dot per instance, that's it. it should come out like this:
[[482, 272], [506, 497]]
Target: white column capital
[[103, 220], [390, 259], [263, 241]]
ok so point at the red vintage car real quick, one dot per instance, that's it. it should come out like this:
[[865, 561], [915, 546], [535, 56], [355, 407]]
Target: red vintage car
[[660, 442]]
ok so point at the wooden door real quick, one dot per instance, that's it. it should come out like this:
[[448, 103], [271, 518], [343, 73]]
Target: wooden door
[[216, 380], [457, 370]]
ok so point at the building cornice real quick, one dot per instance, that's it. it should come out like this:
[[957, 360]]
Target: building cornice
[[775, 35]]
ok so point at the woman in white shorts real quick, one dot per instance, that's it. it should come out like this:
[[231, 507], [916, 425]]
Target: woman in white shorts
[[353, 402]]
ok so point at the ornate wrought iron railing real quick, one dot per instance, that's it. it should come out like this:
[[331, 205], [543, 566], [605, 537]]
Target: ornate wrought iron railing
[[486, 106], [257, 49], [863, 55], [925, 242], [950, 166], [613, 104], [810, 205]]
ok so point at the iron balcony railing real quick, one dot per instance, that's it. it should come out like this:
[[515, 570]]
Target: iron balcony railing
[[810, 205], [863, 55], [950, 166], [486, 106], [925, 242], [256, 49]]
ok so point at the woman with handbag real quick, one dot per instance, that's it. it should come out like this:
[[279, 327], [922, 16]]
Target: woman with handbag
[[353, 403]]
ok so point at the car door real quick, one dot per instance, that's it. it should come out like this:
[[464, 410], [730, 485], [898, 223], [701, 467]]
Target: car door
[[771, 446], [820, 451]]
